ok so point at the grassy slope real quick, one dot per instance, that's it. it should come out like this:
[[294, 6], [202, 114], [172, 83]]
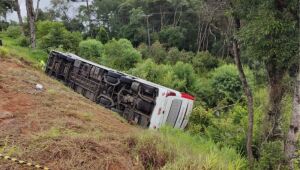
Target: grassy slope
[[35, 56], [167, 149]]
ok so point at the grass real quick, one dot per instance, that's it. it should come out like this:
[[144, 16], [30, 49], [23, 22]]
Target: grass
[[36, 56], [57, 132], [174, 149]]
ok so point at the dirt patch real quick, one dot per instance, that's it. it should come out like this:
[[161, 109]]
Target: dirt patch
[[57, 127]]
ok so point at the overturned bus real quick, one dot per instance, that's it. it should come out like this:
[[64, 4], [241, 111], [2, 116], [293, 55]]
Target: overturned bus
[[139, 101]]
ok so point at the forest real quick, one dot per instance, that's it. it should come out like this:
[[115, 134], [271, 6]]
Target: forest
[[239, 58]]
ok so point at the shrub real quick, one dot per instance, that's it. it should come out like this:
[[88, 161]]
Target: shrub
[[45, 27], [71, 41], [3, 52], [144, 50], [54, 39], [102, 35], [13, 31], [149, 70], [272, 155], [199, 120], [172, 36], [120, 54], [204, 61], [204, 91], [59, 37], [23, 41], [184, 76], [90, 49], [227, 85], [173, 55], [157, 52]]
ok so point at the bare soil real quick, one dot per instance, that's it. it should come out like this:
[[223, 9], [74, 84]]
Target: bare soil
[[57, 127]]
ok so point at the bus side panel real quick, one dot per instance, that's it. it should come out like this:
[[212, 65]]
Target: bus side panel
[[187, 114], [157, 114]]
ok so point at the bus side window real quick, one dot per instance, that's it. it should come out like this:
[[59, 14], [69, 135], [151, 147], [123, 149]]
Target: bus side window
[[174, 112]]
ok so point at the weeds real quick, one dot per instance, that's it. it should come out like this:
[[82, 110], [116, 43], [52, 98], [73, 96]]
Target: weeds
[[174, 149]]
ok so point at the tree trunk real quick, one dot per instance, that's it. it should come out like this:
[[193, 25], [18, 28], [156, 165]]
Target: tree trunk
[[293, 133], [31, 21], [272, 125], [19, 16], [174, 18], [161, 18], [89, 15], [248, 93], [37, 9]]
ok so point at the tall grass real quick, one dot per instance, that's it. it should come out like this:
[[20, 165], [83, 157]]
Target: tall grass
[[183, 151], [36, 56]]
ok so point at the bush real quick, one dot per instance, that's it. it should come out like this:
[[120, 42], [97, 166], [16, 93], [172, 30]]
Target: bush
[[144, 50], [272, 155], [59, 37], [149, 70], [90, 49], [13, 31], [173, 55], [45, 27], [227, 85], [23, 41], [204, 61], [172, 36], [184, 76], [180, 77], [199, 120], [102, 35], [157, 52], [71, 41], [3, 52], [204, 91], [120, 54]]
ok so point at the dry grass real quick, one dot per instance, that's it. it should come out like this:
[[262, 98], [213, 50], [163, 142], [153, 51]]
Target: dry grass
[[173, 149], [57, 127]]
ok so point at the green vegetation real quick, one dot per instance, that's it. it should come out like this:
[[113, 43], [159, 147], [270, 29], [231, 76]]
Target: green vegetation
[[175, 149], [188, 46], [91, 49], [124, 58], [35, 56]]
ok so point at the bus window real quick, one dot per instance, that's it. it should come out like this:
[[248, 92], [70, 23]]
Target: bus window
[[174, 112]]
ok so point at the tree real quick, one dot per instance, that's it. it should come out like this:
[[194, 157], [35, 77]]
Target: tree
[[270, 36], [6, 6], [88, 11], [37, 10], [293, 133], [17, 8], [31, 21], [177, 5], [247, 92]]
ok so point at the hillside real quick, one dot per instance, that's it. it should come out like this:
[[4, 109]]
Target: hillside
[[61, 129], [57, 127]]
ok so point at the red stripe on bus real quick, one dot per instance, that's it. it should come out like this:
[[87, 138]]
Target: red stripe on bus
[[187, 96]]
